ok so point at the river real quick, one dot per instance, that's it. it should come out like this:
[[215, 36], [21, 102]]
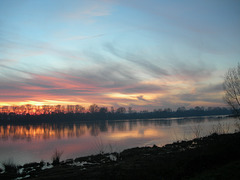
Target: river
[[33, 143]]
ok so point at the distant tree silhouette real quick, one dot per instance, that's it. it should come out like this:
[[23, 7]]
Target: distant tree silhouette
[[93, 108], [79, 109], [167, 110], [181, 109], [197, 108], [231, 86], [103, 110], [121, 110], [112, 110], [130, 110], [57, 109]]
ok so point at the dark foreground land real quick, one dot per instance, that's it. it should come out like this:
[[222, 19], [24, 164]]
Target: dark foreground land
[[212, 157]]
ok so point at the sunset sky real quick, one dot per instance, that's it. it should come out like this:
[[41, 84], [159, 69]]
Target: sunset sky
[[142, 53]]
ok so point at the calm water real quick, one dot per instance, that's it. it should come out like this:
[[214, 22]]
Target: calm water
[[32, 143]]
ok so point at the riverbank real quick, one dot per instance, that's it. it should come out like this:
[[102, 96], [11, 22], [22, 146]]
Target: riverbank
[[28, 119], [212, 157]]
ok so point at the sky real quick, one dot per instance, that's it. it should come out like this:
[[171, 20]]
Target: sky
[[147, 54]]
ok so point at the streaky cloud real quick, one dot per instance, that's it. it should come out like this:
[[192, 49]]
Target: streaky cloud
[[145, 88], [212, 88], [141, 98], [146, 65], [190, 71]]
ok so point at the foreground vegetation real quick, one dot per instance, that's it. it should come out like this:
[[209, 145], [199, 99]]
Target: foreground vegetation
[[212, 157]]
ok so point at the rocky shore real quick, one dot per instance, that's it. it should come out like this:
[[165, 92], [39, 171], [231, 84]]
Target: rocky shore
[[212, 157]]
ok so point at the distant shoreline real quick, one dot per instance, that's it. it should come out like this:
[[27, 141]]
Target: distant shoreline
[[17, 119]]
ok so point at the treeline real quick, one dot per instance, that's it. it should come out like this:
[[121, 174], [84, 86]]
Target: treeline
[[103, 113]]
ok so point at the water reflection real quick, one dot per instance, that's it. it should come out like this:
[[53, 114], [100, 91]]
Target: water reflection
[[44, 131], [59, 131], [30, 143]]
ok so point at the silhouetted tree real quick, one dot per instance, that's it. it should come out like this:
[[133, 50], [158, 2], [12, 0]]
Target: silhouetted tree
[[103, 110], [181, 109], [197, 108], [79, 109], [112, 110], [231, 86], [157, 110], [93, 108], [57, 108], [167, 110], [130, 110], [144, 111], [121, 110], [70, 108]]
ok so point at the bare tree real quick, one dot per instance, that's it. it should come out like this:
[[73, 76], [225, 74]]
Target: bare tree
[[231, 86], [103, 110], [79, 109], [121, 110], [93, 108]]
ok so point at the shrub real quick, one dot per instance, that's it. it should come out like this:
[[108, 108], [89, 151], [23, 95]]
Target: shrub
[[56, 157], [9, 166]]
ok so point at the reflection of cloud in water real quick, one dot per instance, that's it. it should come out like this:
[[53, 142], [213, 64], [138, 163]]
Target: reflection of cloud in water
[[45, 131], [141, 131], [79, 139], [147, 133], [122, 129], [114, 129]]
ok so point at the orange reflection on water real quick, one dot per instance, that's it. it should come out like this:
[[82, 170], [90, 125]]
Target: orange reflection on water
[[146, 133], [113, 131], [40, 132]]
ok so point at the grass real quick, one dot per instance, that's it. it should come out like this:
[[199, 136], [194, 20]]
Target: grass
[[9, 166], [197, 131], [103, 147], [237, 126], [99, 145], [56, 157], [220, 128]]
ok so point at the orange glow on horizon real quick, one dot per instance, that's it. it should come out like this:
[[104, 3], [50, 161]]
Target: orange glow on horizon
[[42, 109]]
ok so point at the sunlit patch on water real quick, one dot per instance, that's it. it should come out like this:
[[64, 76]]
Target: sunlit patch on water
[[34, 143]]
